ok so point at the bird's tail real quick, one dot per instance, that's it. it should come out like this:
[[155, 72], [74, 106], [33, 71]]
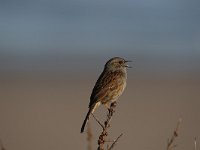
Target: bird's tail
[[86, 118]]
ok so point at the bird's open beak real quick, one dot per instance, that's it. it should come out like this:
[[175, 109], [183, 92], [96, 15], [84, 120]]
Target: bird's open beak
[[126, 65]]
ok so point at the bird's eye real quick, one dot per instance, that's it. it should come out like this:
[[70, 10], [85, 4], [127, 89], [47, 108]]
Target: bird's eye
[[120, 62]]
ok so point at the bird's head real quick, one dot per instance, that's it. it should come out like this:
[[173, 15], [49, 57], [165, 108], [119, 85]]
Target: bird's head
[[117, 63]]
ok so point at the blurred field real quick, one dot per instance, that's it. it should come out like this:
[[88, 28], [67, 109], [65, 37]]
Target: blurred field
[[46, 113]]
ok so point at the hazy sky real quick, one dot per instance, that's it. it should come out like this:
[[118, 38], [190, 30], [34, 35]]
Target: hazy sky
[[154, 32]]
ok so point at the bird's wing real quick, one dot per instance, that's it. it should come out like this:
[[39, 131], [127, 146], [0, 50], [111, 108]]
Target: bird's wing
[[107, 82]]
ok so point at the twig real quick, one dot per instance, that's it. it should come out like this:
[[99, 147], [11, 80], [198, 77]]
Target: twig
[[195, 143], [1, 145], [89, 136], [170, 144], [113, 144], [104, 133], [98, 121]]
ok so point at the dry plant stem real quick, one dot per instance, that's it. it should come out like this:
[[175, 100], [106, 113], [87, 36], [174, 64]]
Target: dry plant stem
[[195, 143], [104, 133], [1, 145], [89, 136], [114, 143], [170, 144], [98, 121]]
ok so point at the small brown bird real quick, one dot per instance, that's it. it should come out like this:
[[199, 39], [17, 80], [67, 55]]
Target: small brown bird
[[109, 86]]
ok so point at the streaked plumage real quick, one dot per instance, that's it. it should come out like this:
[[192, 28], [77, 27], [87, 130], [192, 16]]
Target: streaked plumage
[[109, 86]]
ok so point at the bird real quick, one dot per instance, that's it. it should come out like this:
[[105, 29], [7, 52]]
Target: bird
[[109, 86]]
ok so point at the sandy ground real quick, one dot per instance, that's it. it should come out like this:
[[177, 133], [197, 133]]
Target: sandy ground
[[46, 114]]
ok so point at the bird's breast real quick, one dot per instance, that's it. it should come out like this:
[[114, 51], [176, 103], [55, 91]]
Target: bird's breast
[[115, 90]]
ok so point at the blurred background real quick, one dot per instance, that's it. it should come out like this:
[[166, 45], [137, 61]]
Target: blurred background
[[52, 52]]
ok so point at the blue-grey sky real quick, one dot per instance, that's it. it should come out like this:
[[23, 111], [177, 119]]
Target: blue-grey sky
[[49, 33]]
